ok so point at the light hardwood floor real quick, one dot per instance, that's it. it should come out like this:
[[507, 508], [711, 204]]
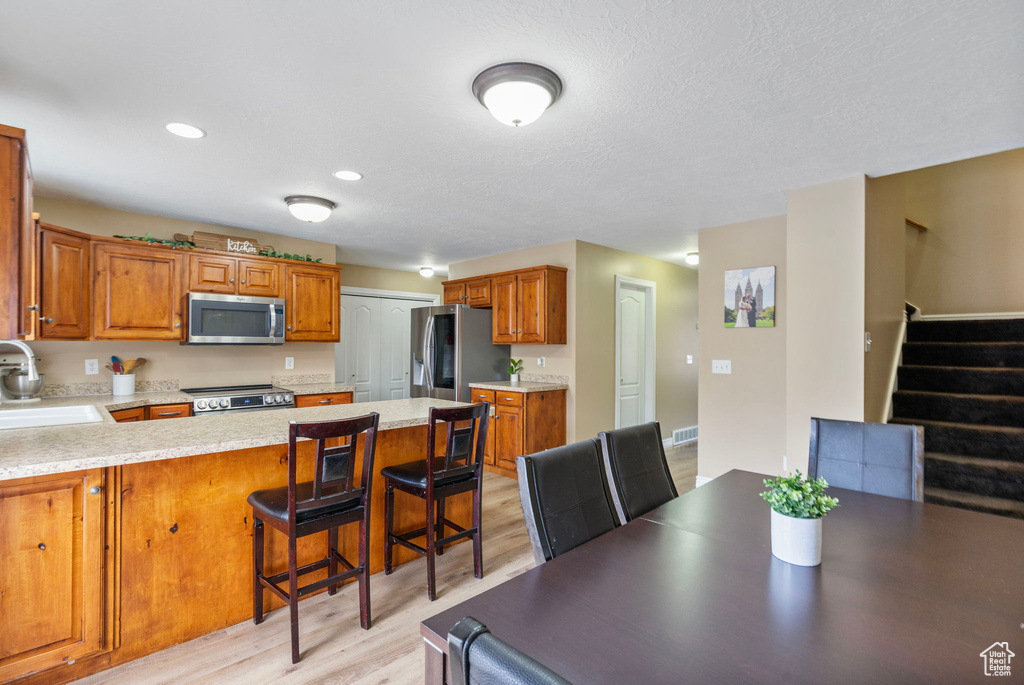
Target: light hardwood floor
[[334, 648]]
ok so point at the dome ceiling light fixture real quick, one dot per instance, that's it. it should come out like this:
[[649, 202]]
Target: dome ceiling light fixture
[[348, 175], [309, 208], [426, 271], [692, 258], [517, 93]]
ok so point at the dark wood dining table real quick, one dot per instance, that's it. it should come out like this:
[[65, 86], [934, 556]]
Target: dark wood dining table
[[690, 593]]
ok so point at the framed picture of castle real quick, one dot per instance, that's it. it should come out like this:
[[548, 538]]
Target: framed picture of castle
[[750, 298]]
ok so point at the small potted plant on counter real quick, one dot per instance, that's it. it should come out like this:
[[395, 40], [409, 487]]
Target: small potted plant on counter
[[514, 367], [798, 506]]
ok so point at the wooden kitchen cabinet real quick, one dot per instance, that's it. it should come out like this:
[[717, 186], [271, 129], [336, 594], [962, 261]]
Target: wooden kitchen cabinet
[[210, 273], [503, 310], [129, 415], [478, 292], [138, 292], [455, 293], [168, 411], [17, 238], [259, 278], [324, 399], [65, 284], [313, 304], [523, 423], [528, 306], [57, 576], [479, 396]]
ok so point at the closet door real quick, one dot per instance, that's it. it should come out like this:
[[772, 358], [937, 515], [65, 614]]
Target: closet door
[[395, 347], [358, 355]]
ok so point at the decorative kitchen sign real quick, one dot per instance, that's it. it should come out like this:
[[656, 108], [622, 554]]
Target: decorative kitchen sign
[[225, 243]]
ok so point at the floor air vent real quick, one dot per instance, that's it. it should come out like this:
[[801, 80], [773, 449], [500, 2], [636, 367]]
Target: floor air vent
[[682, 435]]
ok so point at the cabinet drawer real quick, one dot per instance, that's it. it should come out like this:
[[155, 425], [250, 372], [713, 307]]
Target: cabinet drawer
[[509, 399], [479, 395], [169, 411], [129, 415], [323, 400]]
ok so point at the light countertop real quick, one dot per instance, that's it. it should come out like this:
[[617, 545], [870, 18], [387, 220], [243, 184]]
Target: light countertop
[[58, 449], [522, 386], [317, 388]]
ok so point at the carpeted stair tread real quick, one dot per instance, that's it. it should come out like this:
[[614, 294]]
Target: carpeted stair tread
[[982, 410], [1014, 467], [974, 502], [974, 354], [993, 442], [974, 330], [990, 477], [979, 380]]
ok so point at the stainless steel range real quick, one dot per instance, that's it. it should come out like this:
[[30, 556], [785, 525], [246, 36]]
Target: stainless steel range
[[239, 398]]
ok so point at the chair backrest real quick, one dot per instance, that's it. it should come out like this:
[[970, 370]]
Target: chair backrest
[[479, 658], [335, 465], [565, 498], [638, 474], [880, 458], [462, 454]]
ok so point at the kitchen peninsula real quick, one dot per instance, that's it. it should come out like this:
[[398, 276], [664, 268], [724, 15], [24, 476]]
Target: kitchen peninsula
[[122, 539]]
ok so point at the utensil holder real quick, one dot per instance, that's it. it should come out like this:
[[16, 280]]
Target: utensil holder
[[124, 384]]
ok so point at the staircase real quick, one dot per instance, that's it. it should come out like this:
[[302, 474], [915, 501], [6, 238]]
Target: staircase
[[964, 382]]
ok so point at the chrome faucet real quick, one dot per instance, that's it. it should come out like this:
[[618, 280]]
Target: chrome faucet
[[33, 374]]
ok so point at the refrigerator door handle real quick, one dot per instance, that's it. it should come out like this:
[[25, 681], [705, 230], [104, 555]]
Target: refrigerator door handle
[[428, 344]]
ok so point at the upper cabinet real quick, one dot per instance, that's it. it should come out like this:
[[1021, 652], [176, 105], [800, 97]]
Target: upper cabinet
[[138, 292], [528, 306], [260, 279], [212, 273], [65, 284], [313, 303], [455, 292], [17, 238]]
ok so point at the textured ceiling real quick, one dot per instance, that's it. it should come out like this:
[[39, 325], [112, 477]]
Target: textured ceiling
[[675, 115]]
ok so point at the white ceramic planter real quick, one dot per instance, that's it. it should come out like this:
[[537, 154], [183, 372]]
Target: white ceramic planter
[[796, 541], [514, 378]]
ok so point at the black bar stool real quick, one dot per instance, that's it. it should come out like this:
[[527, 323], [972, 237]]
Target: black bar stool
[[459, 470], [330, 500]]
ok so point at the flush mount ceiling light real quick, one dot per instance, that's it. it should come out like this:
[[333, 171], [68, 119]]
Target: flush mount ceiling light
[[309, 208], [348, 175], [517, 93], [185, 130], [426, 271], [692, 258]]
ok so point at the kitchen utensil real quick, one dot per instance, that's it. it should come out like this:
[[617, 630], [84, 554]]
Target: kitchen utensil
[[108, 367], [19, 387], [139, 363], [129, 364]]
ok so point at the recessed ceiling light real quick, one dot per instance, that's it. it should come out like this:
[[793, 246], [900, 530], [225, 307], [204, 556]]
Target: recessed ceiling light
[[517, 93], [426, 271], [185, 130], [692, 258], [309, 208], [348, 175]]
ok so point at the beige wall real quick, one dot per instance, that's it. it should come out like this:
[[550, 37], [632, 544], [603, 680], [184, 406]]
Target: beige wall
[[884, 290], [561, 359], [64, 362], [969, 261], [676, 336], [825, 309], [389, 279], [742, 416]]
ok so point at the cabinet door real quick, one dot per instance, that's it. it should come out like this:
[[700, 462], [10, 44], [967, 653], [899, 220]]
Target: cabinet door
[[64, 286], [17, 237], [129, 415], [508, 435], [169, 411], [212, 274], [530, 303], [478, 293], [503, 310], [326, 399], [313, 307], [53, 578], [454, 293], [137, 293], [479, 396], [259, 279]]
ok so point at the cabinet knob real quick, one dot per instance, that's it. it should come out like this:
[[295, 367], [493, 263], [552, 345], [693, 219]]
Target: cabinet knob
[[231, 280], [42, 546], [46, 319], [94, 490], [289, 328], [243, 280], [177, 325]]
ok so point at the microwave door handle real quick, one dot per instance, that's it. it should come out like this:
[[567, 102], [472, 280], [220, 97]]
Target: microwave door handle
[[273, 321], [428, 339]]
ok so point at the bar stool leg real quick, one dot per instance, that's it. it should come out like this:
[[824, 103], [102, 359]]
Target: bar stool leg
[[431, 592], [293, 596], [257, 570], [364, 575], [478, 551], [389, 522], [440, 524], [332, 563]]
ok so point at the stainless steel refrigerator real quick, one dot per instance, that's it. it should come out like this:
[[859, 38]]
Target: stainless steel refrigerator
[[451, 348]]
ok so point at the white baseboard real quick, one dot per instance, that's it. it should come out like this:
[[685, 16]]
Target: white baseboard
[[703, 480], [666, 443]]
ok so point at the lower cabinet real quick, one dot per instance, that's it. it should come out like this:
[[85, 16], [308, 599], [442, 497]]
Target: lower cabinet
[[57, 570], [156, 411], [129, 415], [322, 400], [523, 423]]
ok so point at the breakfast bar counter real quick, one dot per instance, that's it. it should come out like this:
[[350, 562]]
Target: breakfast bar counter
[[123, 539]]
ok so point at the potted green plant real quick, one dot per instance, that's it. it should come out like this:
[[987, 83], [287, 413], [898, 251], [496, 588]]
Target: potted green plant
[[514, 367], [798, 505]]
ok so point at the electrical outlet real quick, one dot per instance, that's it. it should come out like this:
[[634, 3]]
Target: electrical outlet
[[689, 359], [721, 366], [541, 362], [289, 363], [92, 367]]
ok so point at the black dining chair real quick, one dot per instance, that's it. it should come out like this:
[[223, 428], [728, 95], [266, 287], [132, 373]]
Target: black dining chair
[[565, 498], [332, 499], [638, 474], [459, 470], [878, 458], [479, 658]]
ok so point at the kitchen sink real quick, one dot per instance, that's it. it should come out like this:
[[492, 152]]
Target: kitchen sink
[[51, 416]]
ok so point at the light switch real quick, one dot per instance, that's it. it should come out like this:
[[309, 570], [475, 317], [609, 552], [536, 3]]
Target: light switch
[[689, 359], [92, 367], [721, 366], [289, 363]]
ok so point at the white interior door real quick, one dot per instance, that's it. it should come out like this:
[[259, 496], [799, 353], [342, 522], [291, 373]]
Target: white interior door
[[357, 357], [395, 348], [634, 351]]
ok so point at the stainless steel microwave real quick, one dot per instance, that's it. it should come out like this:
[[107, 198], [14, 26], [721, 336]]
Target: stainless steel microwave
[[234, 320]]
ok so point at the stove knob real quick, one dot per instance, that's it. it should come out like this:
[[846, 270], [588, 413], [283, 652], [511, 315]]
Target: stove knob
[[268, 399], [278, 399], [200, 404], [224, 403], [288, 399]]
